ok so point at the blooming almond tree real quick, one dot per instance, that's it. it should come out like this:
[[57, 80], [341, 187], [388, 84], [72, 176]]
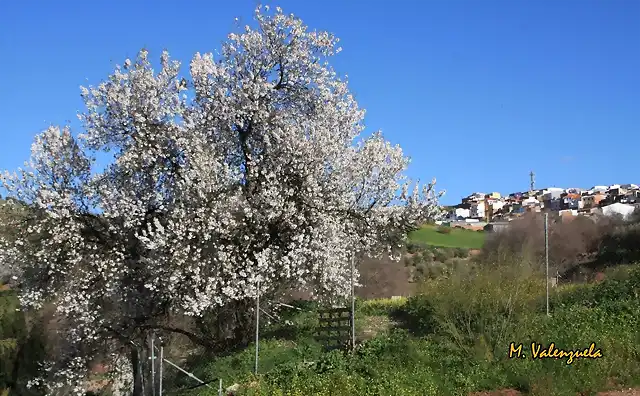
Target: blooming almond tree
[[248, 177]]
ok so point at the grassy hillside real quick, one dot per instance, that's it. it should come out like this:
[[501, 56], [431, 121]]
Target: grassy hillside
[[457, 238], [452, 339]]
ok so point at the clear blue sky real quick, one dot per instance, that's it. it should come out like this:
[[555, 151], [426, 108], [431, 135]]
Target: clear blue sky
[[478, 93]]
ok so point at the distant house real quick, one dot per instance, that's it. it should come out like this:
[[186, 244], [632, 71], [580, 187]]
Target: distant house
[[621, 209], [531, 201], [553, 204], [617, 193], [477, 210], [473, 198], [515, 197], [552, 193], [567, 214], [497, 226], [598, 189], [631, 197], [571, 201], [462, 213], [498, 205], [591, 200]]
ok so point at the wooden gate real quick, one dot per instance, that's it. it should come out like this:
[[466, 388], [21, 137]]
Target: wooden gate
[[334, 329]]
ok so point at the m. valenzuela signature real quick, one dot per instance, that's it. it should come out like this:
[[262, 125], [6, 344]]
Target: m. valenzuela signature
[[538, 351]]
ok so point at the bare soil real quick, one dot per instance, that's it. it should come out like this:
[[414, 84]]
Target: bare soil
[[501, 392], [513, 392], [624, 392]]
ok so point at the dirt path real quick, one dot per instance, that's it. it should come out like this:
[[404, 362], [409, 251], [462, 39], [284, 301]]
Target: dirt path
[[513, 392], [626, 392]]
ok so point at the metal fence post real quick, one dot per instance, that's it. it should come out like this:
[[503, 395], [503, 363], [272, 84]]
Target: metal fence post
[[257, 326], [353, 305], [160, 370], [153, 367]]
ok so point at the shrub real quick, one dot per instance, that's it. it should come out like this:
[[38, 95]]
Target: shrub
[[408, 261], [436, 270], [621, 245], [478, 312], [443, 254], [412, 247], [417, 259], [571, 243], [461, 253], [444, 229], [380, 306], [614, 289], [418, 314], [415, 247], [422, 269]]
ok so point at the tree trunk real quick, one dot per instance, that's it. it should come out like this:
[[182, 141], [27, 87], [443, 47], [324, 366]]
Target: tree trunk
[[243, 322], [136, 366]]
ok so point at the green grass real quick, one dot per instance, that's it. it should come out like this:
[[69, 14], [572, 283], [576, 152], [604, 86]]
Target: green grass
[[452, 339], [457, 238]]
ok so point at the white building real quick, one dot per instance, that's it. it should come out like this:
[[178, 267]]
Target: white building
[[497, 205], [477, 210], [598, 189], [618, 209], [462, 213]]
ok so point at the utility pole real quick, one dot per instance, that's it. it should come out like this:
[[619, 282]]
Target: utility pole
[[546, 253]]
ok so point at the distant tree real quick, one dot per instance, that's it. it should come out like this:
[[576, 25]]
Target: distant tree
[[250, 185]]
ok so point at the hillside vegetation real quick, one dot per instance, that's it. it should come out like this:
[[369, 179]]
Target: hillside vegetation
[[455, 237], [453, 338]]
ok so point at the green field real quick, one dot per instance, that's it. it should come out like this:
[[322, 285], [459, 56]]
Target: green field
[[458, 238]]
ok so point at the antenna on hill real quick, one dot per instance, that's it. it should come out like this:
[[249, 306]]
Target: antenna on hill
[[532, 180]]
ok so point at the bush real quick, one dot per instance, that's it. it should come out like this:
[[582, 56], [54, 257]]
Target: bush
[[444, 229], [478, 312], [418, 314], [571, 243], [443, 254], [460, 330], [611, 290], [380, 306], [461, 253], [620, 246], [415, 247], [422, 269], [412, 247]]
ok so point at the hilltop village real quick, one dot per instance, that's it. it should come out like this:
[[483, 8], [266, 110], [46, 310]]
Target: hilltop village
[[480, 209]]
